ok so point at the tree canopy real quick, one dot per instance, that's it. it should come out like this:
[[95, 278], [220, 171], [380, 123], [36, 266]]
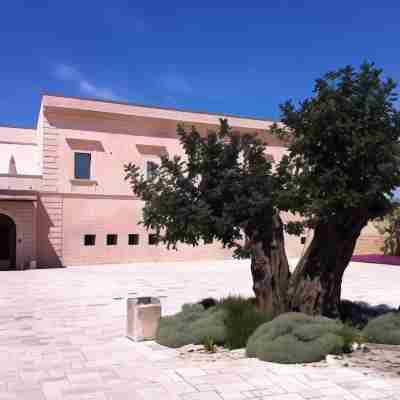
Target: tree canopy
[[222, 189], [342, 165], [344, 150]]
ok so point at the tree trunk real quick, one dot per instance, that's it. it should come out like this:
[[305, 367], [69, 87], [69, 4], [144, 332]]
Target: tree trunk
[[270, 270], [396, 235], [315, 286]]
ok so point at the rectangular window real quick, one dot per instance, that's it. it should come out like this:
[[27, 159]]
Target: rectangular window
[[151, 169], [89, 240], [153, 240], [82, 165], [133, 239], [112, 239]]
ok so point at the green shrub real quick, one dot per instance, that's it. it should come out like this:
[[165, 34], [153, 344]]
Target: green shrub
[[299, 338], [350, 335], [228, 322], [192, 326], [242, 318], [209, 345], [384, 329]]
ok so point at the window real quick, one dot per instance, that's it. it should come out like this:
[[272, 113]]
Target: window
[[133, 239], [89, 240], [208, 241], [82, 165], [153, 240], [151, 169], [112, 239]]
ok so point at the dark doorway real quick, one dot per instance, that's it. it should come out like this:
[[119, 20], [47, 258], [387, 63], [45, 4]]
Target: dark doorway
[[7, 242]]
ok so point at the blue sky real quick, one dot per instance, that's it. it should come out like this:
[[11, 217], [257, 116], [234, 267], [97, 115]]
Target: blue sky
[[216, 56]]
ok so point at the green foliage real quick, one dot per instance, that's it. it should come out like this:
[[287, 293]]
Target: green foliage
[[384, 329], [389, 226], [193, 325], [230, 322], [343, 160], [241, 319], [209, 345], [224, 188], [342, 166], [299, 338], [350, 335]]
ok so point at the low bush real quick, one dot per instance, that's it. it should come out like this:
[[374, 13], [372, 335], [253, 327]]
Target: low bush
[[384, 329], [228, 322], [208, 302], [193, 325], [358, 313], [242, 318], [299, 338], [351, 335]]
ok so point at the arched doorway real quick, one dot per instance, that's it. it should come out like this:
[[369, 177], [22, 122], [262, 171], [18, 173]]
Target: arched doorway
[[7, 242]]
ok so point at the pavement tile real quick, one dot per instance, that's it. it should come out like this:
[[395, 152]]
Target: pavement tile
[[62, 337]]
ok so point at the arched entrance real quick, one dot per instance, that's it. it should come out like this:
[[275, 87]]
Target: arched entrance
[[7, 242]]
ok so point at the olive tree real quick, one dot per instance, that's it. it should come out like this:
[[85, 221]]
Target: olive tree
[[223, 189], [389, 227], [342, 166]]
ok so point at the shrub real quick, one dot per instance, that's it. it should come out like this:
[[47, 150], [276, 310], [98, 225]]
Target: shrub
[[192, 325], [358, 313], [209, 345], [384, 329], [228, 322], [350, 335], [208, 302], [389, 226], [299, 338], [242, 318]]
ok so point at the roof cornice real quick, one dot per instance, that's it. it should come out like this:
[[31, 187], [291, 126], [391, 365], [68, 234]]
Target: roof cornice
[[131, 109]]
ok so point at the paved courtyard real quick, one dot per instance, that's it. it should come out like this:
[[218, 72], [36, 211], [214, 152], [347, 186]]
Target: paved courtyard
[[62, 337]]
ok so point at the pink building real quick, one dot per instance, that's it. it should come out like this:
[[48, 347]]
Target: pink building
[[63, 197]]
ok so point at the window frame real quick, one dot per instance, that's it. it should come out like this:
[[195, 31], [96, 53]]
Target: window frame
[[88, 243], [135, 241], [150, 240], [77, 174], [112, 236]]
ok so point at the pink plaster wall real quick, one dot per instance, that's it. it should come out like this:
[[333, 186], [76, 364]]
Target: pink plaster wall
[[52, 227], [106, 204], [23, 213], [19, 144], [113, 215]]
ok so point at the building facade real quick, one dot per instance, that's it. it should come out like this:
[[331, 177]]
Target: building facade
[[63, 197]]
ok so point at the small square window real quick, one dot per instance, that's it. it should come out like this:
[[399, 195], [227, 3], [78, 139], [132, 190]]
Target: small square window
[[82, 165], [153, 240], [112, 239], [89, 240], [133, 239]]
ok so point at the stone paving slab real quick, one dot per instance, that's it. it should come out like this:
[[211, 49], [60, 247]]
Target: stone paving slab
[[62, 337]]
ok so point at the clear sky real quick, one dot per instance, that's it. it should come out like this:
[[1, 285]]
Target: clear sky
[[226, 56]]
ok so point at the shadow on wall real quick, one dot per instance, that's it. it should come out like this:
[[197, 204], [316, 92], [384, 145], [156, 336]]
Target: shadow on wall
[[127, 125], [46, 253], [91, 121], [84, 145]]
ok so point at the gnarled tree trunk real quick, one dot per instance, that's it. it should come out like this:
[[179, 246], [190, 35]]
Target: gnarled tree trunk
[[270, 270], [315, 286]]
